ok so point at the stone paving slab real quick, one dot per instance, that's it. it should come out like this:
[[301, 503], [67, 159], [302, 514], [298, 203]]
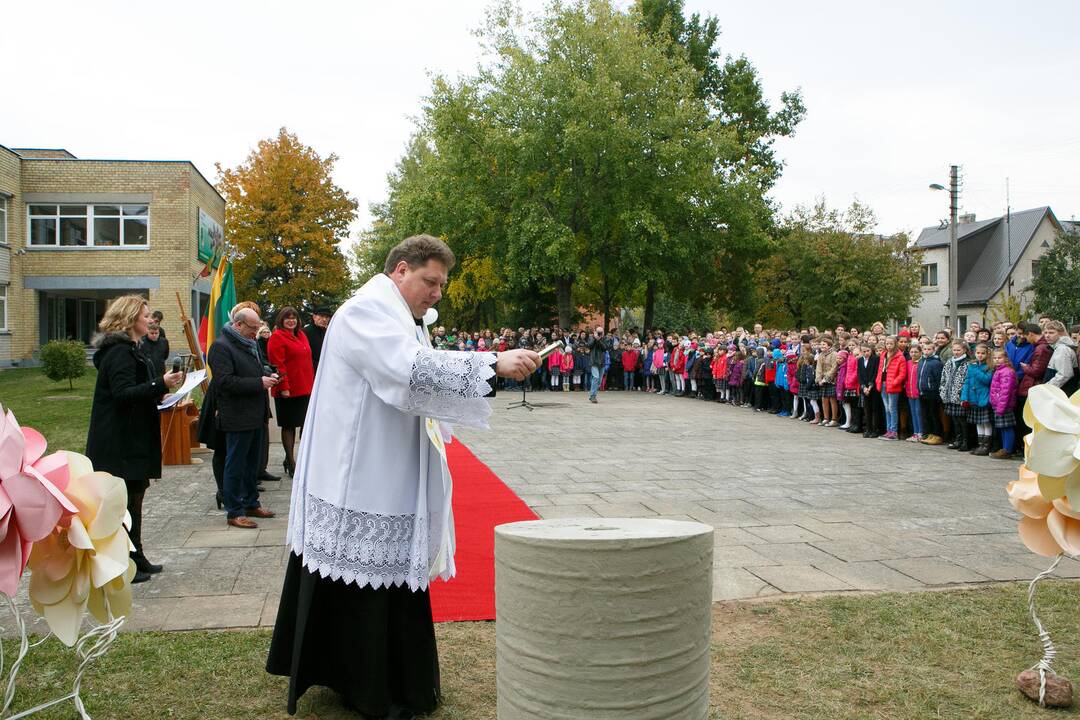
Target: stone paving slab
[[796, 509]]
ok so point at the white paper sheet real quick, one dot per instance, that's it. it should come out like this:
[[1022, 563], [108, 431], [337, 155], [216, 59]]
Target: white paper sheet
[[194, 379]]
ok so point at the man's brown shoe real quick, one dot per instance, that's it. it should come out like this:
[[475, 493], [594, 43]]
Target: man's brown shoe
[[932, 440], [1001, 454], [242, 522], [260, 512]]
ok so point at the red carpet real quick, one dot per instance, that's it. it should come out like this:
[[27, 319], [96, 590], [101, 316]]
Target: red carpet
[[481, 501]]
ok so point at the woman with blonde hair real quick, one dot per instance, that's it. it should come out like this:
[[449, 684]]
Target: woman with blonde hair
[[125, 434]]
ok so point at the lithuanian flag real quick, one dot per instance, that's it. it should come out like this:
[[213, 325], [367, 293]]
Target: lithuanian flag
[[222, 300]]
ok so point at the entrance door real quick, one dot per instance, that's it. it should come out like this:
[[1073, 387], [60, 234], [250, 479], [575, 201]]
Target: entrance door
[[87, 324]]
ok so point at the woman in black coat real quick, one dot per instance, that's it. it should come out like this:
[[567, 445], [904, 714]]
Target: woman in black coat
[[125, 434]]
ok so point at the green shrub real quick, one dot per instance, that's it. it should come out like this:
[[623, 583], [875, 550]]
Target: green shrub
[[63, 360]]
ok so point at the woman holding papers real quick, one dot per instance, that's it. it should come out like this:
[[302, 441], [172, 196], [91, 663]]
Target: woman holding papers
[[125, 435]]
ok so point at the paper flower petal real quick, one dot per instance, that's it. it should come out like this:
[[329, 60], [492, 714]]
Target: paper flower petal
[[1062, 506], [1037, 538], [79, 465], [65, 619], [1072, 484], [12, 443], [37, 511], [1051, 488], [1024, 495], [34, 447], [1051, 453], [113, 508], [1065, 531], [1053, 410], [47, 591], [68, 506], [78, 537], [54, 468], [111, 559], [11, 563]]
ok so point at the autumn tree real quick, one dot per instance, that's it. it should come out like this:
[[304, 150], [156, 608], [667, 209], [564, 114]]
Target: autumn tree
[[284, 219], [829, 267], [1057, 284]]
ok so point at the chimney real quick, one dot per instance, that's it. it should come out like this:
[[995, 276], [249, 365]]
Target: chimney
[[966, 218]]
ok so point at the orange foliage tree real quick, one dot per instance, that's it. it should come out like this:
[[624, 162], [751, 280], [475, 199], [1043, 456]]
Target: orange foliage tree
[[284, 219]]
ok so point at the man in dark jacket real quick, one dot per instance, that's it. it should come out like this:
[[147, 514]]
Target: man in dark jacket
[[868, 392], [156, 347], [242, 407], [316, 331], [598, 347]]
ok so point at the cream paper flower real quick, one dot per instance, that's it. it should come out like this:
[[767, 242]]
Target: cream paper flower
[[1051, 474], [84, 565]]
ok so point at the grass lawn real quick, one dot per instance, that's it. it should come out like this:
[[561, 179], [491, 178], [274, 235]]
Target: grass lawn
[[59, 413], [921, 655]]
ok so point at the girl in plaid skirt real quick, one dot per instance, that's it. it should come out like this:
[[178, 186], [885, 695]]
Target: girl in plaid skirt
[[953, 375], [1003, 402], [975, 396]]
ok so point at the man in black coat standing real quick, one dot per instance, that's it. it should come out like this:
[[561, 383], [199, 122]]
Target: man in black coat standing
[[242, 409], [598, 346], [316, 331]]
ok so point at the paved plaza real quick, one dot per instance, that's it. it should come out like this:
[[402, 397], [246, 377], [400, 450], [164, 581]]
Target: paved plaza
[[797, 508]]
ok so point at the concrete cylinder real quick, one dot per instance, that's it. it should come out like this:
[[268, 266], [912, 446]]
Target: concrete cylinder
[[603, 618]]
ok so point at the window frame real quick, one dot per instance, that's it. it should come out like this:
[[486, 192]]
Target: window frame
[[926, 269], [91, 231], [3, 220], [4, 308]]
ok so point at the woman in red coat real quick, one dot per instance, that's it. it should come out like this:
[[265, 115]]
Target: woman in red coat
[[290, 353]]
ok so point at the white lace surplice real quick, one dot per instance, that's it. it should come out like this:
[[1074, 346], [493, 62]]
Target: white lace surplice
[[371, 494]]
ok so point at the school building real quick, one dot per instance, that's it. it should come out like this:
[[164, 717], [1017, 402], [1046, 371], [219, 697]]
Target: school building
[[75, 233]]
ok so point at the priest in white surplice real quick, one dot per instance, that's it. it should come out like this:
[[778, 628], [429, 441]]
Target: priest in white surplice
[[370, 524]]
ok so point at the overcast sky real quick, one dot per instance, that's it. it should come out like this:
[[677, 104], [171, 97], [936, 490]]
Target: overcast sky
[[895, 92]]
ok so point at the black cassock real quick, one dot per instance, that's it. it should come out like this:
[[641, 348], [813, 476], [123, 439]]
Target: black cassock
[[374, 647]]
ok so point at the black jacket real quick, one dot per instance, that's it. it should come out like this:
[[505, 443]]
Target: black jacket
[[315, 336], [597, 348], [125, 433], [868, 370], [156, 350], [241, 400]]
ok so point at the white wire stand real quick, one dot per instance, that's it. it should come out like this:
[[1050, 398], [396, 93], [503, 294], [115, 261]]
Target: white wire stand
[[95, 643], [1046, 664]]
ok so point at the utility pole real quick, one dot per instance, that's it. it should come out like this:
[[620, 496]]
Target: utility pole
[[954, 209]]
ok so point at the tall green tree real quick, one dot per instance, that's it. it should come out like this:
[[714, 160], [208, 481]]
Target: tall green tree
[[583, 160], [284, 218], [732, 91], [1057, 284], [830, 267]]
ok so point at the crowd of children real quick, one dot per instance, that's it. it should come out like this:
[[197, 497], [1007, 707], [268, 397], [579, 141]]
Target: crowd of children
[[966, 391]]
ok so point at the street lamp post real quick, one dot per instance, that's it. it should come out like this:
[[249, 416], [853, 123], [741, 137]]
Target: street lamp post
[[954, 207]]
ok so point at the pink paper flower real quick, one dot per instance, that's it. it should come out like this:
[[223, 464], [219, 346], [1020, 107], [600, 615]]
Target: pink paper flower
[[32, 501]]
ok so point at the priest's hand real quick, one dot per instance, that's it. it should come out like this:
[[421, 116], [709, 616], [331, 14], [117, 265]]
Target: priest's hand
[[516, 364]]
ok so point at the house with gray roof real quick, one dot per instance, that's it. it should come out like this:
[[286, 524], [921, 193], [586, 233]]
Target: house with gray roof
[[995, 258]]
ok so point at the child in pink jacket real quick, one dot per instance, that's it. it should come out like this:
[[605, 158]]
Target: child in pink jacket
[[555, 368], [1003, 394], [566, 366]]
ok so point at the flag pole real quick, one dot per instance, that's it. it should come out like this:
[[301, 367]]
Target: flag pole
[[192, 341]]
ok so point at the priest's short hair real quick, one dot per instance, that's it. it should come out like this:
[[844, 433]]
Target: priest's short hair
[[417, 250]]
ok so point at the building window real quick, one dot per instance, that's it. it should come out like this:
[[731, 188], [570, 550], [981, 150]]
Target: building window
[[929, 275], [3, 221], [3, 308], [1035, 269], [89, 225]]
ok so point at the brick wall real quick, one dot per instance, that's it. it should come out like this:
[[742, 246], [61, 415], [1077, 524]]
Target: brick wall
[[176, 189]]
